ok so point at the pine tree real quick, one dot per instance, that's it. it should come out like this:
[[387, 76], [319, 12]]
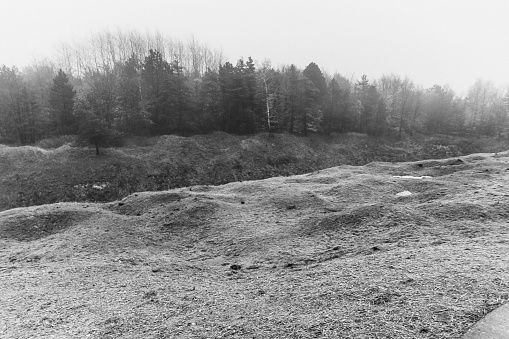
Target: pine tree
[[28, 117], [313, 73], [93, 124], [210, 108], [62, 101], [368, 106], [155, 72], [101, 95], [331, 116], [240, 96], [9, 104], [291, 97], [20, 116], [179, 95], [132, 114], [313, 91], [229, 89], [250, 102], [38, 78]]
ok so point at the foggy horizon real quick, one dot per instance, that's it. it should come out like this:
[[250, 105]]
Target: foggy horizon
[[447, 43]]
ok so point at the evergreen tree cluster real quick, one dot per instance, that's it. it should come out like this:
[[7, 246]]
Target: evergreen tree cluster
[[154, 93]]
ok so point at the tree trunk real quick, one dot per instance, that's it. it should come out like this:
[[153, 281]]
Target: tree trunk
[[305, 122], [401, 118], [96, 147]]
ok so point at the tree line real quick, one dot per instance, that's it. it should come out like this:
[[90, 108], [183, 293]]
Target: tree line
[[125, 84]]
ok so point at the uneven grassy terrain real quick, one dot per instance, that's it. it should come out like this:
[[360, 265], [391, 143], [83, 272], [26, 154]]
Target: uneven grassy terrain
[[40, 175], [337, 253]]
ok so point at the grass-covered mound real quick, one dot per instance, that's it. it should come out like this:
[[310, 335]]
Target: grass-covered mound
[[49, 174], [332, 254]]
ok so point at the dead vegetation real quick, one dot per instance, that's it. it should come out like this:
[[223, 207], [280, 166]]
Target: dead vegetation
[[330, 254], [40, 175]]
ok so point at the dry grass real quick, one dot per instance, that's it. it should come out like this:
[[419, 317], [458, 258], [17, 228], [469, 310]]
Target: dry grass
[[46, 174], [332, 254]]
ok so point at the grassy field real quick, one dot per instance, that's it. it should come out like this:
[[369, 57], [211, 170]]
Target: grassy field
[[48, 174], [332, 254]]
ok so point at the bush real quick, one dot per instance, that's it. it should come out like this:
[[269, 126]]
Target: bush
[[94, 131]]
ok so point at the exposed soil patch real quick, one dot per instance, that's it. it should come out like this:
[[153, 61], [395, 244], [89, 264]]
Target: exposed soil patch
[[140, 203], [38, 225]]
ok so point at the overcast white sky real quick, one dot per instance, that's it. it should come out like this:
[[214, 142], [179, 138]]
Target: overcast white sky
[[450, 42]]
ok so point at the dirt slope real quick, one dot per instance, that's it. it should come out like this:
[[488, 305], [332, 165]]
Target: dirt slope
[[331, 254], [33, 176]]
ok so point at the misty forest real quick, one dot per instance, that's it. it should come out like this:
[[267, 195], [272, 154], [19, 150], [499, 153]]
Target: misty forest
[[129, 84]]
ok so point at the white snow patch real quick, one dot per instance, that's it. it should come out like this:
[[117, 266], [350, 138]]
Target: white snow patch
[[411, 177], [404, 194]]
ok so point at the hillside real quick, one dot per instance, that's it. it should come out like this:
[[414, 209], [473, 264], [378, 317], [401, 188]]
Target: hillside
[[386, 250], [40, 175]]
